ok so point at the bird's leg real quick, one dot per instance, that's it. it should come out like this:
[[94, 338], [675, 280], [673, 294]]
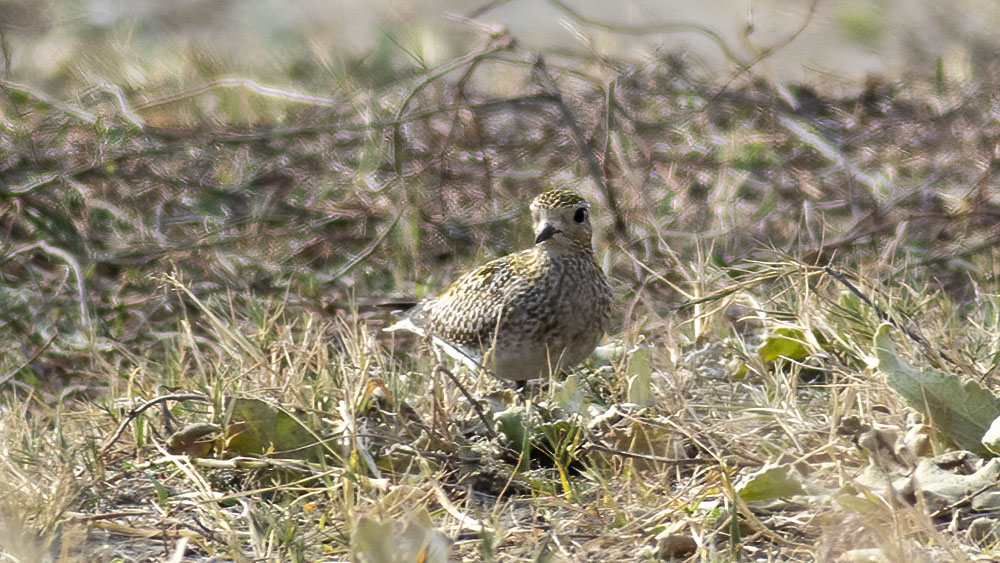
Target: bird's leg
[[435, 399]]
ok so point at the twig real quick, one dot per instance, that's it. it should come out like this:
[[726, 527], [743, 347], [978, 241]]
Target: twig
[[496, 43], [246, 462], [368, 250], [78, 113], [946, 509], [485, 8], [70, 261], [609, 96], [260, 135], [81, 517], [647, 457], [989, 242], [475, 404], [47, 179], [884, 316], [651, 28], [252, 85], [550, 86], [831, 153], [458, 96], [6, 54], [856, 232], [135, 412], [767, 52], [127, 112], [264, 134]]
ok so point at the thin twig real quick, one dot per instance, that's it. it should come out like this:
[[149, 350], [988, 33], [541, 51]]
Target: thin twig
[[550, 86], [858, 230], [495, 44], [368, 250], [127, 112], [989, 242], [480, 10], [475, 404], [70, 261], [884, 316], [135, 412], [647, 457], [46, 179], [265, 134], [968, 497], [609, 96], [650, 29], [240, 82], [81, 517], [767, 52], [827, 150], [68, 109]]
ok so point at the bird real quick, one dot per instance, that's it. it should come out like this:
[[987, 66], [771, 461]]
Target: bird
[[531, 313]]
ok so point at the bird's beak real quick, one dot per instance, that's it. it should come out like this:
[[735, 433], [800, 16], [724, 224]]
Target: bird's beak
[[546, 233]]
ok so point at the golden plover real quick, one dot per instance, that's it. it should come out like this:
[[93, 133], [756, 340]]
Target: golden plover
[[530, 313]]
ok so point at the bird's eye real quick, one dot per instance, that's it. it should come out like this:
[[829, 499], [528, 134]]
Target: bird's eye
[[581, 215]]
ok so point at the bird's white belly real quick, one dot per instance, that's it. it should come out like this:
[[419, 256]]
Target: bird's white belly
[[532, 360]]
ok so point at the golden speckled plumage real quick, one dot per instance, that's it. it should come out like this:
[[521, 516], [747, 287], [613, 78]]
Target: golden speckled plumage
[[531, 312]]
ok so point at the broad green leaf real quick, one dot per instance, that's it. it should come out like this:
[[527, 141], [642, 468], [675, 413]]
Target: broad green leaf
[[569, 396], [257, 427], [960, 411], [774, 482], [785, 343], [374, 539], [511, 423]]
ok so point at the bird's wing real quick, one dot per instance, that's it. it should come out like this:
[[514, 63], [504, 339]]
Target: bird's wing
[[469, 311]]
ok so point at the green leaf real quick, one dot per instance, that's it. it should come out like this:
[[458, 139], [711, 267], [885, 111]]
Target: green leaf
[[257, 427], [375, 540], [162, 493], [960, 411], [640, 373], [785, 343], [569, 396], [397, 541], [18, 96], [866, 504], [510, 423], [774, 482]]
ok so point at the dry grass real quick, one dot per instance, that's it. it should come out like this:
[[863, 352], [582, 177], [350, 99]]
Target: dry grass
[[230, 241]]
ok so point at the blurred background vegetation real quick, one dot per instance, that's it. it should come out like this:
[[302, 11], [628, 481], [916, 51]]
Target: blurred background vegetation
[[275, 145], [145, 44]]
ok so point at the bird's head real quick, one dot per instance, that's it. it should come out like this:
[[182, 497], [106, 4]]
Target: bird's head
[[562, 220]]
